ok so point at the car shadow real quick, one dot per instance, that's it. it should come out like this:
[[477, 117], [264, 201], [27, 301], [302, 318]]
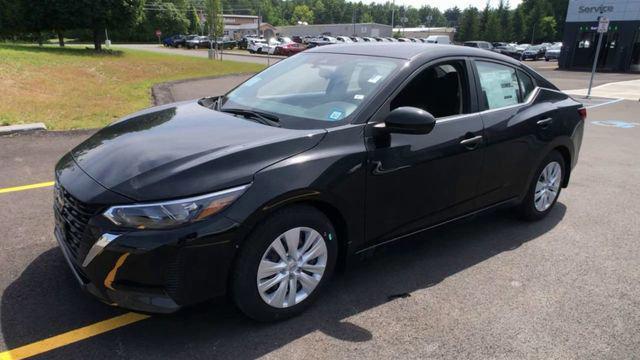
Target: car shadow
[[45, 300]]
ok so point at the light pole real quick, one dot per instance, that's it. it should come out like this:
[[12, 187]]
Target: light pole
[[393, 10], [533, 33]]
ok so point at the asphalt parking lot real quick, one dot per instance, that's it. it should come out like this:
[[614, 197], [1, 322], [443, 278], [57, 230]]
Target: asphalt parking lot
[[490, 287]]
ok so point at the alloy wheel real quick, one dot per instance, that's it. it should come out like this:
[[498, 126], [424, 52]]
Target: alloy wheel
[[292, 267], [548, 186]]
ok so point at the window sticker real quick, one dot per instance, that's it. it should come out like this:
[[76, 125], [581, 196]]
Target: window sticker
[[375, 79], [358, 96], [254, 80], [335, 115]]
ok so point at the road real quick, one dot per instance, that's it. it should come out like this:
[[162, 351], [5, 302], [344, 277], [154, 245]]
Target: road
[[258, 59], [490, 287]]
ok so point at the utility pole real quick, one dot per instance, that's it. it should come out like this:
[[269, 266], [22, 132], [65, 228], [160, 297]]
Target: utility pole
[[353, 19], [393, 10], [533, 33]]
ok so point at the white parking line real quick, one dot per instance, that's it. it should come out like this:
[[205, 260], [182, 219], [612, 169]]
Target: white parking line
[[605, 103]]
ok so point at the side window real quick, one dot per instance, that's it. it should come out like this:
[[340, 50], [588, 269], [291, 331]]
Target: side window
[[499, 84], [440, 89], [526, 84]]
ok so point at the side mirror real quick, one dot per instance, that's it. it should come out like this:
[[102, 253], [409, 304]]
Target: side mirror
[[409, 120]]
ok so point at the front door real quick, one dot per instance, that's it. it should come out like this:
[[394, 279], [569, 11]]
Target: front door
[[415, 181]]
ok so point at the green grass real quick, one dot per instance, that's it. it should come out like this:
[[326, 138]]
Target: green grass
[[76, 88]]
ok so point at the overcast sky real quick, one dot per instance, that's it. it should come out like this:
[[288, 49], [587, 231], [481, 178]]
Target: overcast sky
[[445, 4]]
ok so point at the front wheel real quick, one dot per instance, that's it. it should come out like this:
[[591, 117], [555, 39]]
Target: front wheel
[[545, 188], [284, 264]]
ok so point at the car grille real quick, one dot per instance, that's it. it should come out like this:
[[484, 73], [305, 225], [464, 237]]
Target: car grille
[[72, 217]]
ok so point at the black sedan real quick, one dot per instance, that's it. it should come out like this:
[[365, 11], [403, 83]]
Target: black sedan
[[317, 160], [509, 51], [534, 52]]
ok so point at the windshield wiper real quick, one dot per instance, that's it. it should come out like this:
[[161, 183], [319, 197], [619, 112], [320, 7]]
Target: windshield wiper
[[266, 119]]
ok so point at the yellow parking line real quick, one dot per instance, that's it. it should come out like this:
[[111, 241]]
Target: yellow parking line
[[26, 187], [71, 337]]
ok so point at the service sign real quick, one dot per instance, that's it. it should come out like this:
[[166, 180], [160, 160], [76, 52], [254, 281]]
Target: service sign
[[614, 10]]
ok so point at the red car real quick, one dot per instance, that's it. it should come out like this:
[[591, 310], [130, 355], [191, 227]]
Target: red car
[[289, 49]]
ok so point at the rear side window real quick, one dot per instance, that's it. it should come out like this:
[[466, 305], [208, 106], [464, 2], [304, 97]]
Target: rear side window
[[526, 84], [499, 85]]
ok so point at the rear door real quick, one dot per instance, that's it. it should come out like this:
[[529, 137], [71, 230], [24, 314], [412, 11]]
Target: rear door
[[518, 124]]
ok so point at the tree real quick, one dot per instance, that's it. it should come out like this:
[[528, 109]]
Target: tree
[[215, 22], [469, 28], [519, 27], [170, 20], [302, 13], [484, 18], [547, 28], [194, 20], [453, 16], [492, 31], [98, 15]]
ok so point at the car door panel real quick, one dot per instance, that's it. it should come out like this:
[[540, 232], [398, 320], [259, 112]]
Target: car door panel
[[417, 180]]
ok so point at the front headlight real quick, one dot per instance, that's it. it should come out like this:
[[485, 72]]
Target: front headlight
[[163, 215]]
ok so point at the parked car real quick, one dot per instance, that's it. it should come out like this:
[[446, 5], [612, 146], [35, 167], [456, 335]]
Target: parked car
[[391, 39], [198, 42], [553, 52], [479, 44], [509, 51], [381, 39], [357, 39], [243, 44], [344, 39], [522, 47], [403, 39], [321, 41], [225, 43], [438, 39], [174, 41], [369, 39], [534, 52], [289, 49], [255, 45], [264, 191], [499, 43]]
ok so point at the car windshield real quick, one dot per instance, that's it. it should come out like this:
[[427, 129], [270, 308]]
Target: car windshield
[[313, 86]]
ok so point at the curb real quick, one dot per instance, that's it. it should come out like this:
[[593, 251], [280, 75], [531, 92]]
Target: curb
[[12, 129]]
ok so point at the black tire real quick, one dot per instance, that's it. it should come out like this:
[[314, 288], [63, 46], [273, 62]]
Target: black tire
[[527, 209], [243, 283]]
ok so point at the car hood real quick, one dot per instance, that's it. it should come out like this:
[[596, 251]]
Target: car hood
[[185, 149]]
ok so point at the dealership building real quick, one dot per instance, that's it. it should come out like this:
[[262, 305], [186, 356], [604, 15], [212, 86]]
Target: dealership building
[[620, 50], [358, 29]]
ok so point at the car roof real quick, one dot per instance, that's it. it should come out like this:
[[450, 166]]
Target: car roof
[[409, 50]]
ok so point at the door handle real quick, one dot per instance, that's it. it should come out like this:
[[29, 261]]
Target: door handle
[[472, 143], [545, 122]]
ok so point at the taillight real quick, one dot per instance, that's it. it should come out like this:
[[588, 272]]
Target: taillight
[[583, 113]]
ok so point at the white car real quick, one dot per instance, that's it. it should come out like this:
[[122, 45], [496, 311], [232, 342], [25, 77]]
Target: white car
[[344, 39], [255, 45], [265, 47], [438, 39]]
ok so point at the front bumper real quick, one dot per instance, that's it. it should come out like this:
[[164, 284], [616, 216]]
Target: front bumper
[[144, 270], [156, 273]]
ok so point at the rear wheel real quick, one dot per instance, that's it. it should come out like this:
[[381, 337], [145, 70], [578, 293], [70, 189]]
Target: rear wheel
[[284, 264], [545, 189]]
